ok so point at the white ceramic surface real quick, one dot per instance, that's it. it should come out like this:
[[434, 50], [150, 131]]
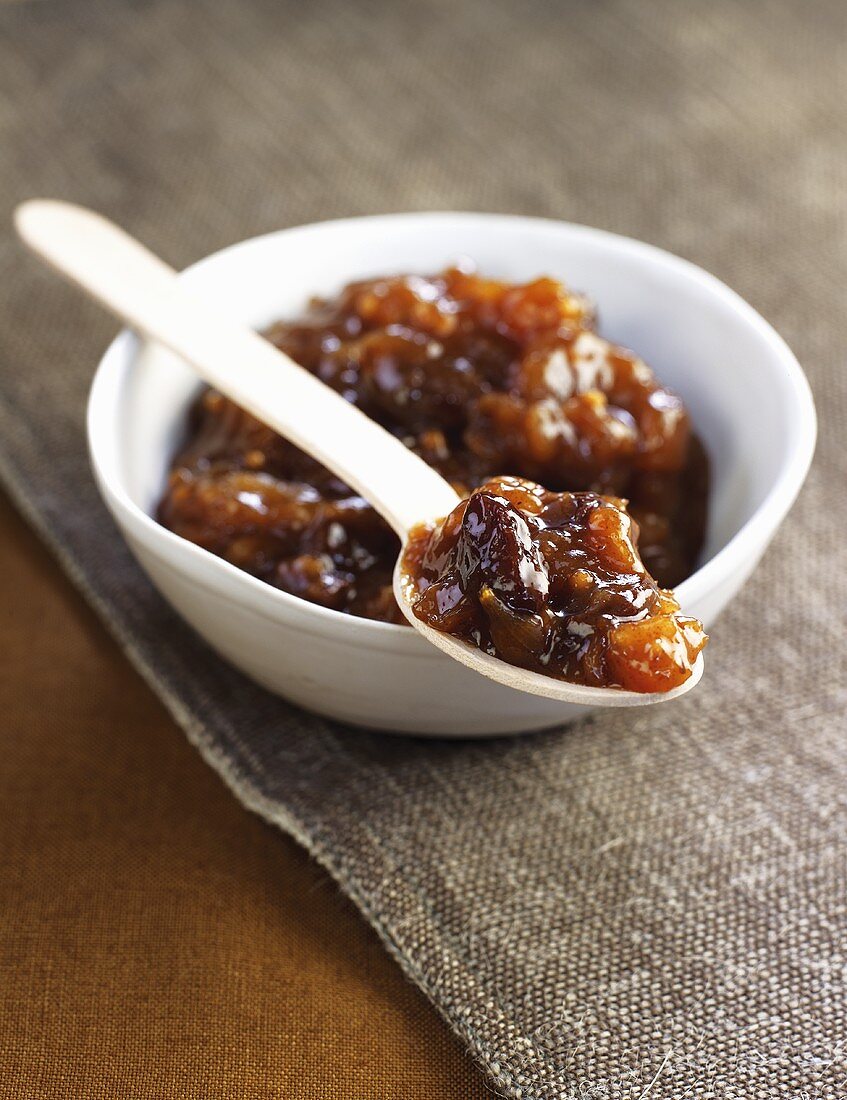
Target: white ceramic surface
[[701, 338]]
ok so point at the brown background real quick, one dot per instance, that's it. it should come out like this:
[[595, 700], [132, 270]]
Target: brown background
[[156, 939]]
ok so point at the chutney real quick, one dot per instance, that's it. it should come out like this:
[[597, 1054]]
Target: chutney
[[551, 582], [481, 378]]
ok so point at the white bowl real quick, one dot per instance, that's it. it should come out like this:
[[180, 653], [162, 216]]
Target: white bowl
[[747, 394]]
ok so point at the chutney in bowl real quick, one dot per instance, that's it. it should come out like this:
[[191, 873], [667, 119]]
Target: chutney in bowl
[[703, 342]]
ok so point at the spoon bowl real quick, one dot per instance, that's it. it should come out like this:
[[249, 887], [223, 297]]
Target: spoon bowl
[[534, 683]]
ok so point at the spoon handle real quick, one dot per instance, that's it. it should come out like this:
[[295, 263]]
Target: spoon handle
[[144, 292]]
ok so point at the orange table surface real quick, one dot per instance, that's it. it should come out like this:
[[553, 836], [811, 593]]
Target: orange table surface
[[156, 939]]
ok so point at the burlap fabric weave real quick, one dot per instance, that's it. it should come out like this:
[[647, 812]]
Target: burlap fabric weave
[[649, 906]]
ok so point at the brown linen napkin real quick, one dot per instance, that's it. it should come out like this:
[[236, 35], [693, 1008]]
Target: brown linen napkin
[[649, 906]]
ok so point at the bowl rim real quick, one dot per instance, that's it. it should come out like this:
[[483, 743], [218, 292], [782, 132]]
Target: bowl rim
[[122, 354]]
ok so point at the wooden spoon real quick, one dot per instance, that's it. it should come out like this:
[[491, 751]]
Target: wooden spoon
[[144, 292]]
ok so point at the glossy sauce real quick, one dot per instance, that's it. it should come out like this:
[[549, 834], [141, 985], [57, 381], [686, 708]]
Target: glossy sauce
[[480, 378]]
